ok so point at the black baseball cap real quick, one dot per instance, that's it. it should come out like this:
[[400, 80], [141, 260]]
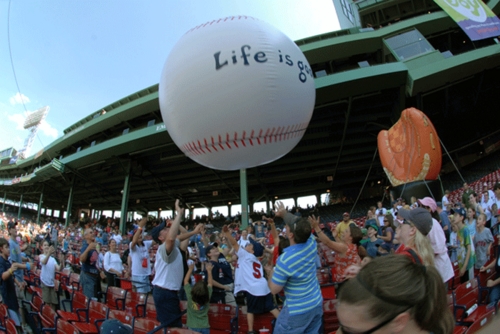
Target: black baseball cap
[[113, 326], [155, 233], [11, 224]]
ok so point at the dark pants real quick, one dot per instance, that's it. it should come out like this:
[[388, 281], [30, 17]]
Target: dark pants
[[112, 280], [167, 307]]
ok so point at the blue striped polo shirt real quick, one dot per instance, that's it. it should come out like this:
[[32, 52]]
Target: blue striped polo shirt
[[296, 272]]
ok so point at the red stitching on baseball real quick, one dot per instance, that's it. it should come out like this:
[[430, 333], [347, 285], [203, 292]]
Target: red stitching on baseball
[[235, 140], [232, 18], [220, 143], [213, 145], [265, 136]]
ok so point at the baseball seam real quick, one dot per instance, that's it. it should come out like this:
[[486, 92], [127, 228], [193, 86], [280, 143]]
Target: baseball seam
[[229, 18], [225, 142]]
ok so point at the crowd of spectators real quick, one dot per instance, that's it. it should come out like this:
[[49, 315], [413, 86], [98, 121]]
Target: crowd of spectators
[[270, 265]]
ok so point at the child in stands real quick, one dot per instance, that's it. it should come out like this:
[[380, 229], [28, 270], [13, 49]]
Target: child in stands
[[465, 253], [482, 241], [198, 300], [249, 278], [49, 268]]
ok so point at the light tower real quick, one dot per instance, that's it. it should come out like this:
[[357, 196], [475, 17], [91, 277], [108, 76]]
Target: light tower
[[32, 123]]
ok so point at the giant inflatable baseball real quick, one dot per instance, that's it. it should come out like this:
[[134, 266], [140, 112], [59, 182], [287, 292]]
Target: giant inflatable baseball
[[410, 150], [236, 93]]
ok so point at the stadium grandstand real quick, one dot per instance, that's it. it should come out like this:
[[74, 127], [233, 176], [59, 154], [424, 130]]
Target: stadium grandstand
[[404, 54]]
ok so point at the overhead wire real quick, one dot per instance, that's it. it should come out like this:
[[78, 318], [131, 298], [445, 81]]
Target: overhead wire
[[15, 75]]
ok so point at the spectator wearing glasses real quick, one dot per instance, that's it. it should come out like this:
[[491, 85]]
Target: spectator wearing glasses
[[411, 232], [414, 302], [388, 233]]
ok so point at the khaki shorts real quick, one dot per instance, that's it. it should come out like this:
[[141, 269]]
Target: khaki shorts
[[20, 294], [49, 295]]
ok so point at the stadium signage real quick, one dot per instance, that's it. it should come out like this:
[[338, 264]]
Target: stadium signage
[[473, 16]]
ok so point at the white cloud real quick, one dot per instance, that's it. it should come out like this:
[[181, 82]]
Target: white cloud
[[18, 119], [45, 127], [19, 99], [48, 130]]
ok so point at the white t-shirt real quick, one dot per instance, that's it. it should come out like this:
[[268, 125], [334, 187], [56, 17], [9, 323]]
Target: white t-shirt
[[169, 268], [118, 238], [381, 212], [48, 271], [486, 208], [445, 202], [441, 259], [243, 242], [249, 275], [113, 261], [138, 254]]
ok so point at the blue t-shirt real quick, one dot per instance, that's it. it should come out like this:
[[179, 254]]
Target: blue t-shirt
[[90, 264], [296, 272], [104, 238], [221, 271], [16, 256], [8, 288], [445, 221], [372, 246]]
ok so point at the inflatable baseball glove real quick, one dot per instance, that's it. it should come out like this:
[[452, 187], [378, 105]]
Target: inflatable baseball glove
[[410, 150]]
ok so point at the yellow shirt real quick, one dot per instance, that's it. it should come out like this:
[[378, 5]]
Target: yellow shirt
[[342, 226]]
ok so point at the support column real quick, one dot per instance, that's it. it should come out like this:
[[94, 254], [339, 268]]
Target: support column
[[4, 199], [125, 196], [244, 198], [112, 214], [70, 204], [40, 202], [268, 206], [20, 207]]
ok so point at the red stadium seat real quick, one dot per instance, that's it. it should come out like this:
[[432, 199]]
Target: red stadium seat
[[64, 327], [467, 309], [222, 318], [480, 323], [135, 303], [144, 325], [115, 297], [78, 301]]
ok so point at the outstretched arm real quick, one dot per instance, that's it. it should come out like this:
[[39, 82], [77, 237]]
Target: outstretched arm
[[188, 274], [338, 247], [230, 238], [174, 229]]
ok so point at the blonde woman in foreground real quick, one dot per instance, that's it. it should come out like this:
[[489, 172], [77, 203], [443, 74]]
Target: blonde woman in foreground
[[413, 302]]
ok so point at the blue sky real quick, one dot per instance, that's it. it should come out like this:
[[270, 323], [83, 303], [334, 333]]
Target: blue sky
[[77, 56]]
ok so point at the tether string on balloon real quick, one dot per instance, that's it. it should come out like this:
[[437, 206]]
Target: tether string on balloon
[[366, 178]]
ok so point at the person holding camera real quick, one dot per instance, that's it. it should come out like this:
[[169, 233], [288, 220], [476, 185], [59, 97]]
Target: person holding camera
[[380, 212]]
